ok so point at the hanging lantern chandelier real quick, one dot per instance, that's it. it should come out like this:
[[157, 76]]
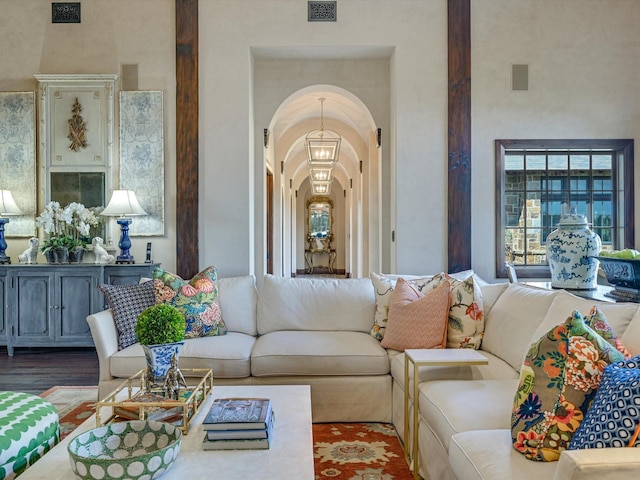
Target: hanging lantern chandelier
[[323, 147]]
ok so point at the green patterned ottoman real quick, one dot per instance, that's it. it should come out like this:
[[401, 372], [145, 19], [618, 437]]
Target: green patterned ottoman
[[28, 429]]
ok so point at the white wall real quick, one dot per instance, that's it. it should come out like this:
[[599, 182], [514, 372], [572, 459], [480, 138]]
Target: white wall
[[584, 76], [417, 138], [112, 33]]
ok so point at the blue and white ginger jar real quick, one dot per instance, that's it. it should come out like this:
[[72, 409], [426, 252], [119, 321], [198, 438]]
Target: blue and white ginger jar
[[159, 360], [571, 252]]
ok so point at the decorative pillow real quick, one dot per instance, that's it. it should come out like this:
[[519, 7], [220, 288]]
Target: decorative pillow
[[383, 286], [559, 377], [614, 416], [127, 302], [196, 300], [598, 321], [466, 312], [417, 320]]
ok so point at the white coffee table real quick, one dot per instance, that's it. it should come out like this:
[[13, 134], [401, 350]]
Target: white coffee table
[[433, 357], [289, 456]]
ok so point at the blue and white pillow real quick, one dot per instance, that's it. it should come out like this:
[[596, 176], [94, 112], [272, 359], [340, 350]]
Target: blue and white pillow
[[614, 415]]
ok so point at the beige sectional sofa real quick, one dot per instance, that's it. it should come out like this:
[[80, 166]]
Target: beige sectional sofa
[[317, 332]]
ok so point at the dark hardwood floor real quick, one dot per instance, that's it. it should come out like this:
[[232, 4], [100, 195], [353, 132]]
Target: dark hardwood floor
[[34, 370]]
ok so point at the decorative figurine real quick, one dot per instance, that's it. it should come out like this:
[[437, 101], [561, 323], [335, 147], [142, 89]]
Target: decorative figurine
[[30, 255], [174, 380], [102, 256]]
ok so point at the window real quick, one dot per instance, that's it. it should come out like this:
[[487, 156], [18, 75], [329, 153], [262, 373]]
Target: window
[[537, 179]]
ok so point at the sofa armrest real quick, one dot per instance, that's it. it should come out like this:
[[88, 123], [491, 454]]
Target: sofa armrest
[[105, 338], [598, 464]]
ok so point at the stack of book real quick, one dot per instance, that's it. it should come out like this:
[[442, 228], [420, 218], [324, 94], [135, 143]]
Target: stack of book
[[238, 424]]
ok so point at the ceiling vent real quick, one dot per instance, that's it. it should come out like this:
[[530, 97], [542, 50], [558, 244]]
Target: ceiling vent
[[323, 11], [65, 12]]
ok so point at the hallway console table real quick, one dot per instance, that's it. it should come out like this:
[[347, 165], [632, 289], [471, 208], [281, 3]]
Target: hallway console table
[[47, 305], [308, 257]]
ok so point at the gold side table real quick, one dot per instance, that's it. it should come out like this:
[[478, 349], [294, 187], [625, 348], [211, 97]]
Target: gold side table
[[434, 357]]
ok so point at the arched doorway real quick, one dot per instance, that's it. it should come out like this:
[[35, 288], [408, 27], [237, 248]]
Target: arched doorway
[[355, 191]]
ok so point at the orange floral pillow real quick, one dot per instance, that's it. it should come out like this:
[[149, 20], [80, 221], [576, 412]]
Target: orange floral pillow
[[597, 320], [196, 299], [560, 376]]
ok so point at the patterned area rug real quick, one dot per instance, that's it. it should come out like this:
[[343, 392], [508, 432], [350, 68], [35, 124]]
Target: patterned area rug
[[74, 405], [358, 451], [341, 451]]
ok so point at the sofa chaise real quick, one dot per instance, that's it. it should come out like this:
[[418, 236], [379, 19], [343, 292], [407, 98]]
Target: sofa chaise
[[319, 332]]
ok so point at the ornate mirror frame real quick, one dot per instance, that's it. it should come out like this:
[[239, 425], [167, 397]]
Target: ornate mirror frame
[[318, 204]]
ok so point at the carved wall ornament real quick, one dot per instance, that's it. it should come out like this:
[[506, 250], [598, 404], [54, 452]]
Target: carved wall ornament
[[77, 128]]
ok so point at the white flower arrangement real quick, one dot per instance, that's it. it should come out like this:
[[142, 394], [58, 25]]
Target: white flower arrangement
[[66, 227]]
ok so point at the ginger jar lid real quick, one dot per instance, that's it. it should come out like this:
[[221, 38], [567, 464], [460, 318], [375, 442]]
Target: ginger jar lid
[[573, 219]]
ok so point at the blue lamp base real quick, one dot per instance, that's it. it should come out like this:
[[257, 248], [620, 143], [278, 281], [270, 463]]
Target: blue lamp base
[[125, 242], [3, 243]]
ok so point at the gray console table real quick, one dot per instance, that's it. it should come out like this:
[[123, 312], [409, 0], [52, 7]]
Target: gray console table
[[47, 305]]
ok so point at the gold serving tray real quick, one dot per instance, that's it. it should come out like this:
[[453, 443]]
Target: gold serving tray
[[190, 398]]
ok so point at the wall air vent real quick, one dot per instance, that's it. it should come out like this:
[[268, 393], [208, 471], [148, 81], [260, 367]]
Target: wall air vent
[[323, 11], [65, 12]]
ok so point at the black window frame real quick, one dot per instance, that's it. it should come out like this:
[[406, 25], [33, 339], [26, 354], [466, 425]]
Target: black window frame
[[623, 196]]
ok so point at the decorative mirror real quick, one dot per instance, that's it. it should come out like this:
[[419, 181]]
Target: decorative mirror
[[320, 223]]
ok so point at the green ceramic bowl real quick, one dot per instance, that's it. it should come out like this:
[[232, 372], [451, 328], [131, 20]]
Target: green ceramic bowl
[[137, 450]]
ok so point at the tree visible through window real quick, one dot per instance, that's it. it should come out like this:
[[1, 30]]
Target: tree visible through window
[[536, 180]]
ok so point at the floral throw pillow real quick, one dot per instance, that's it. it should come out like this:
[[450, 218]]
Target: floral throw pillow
[[196, 299], [558, 380], [597, 320], [466, 311]]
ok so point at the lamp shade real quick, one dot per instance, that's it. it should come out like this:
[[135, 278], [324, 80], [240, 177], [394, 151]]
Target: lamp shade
[[8, 205], [123, 203]]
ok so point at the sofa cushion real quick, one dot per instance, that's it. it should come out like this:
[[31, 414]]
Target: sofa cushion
[[417, 320], [490, 294], [127, 302], [560, 374], [489, 455], [238, 303], [318, 353], [631, 336], [452, 406], [315, 304], [618, 315], [514, 317], [229, 356], [613, 418], [196, 299]]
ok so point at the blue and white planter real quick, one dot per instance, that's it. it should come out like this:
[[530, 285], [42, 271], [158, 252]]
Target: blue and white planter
[[571, 252], [159, 360]]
